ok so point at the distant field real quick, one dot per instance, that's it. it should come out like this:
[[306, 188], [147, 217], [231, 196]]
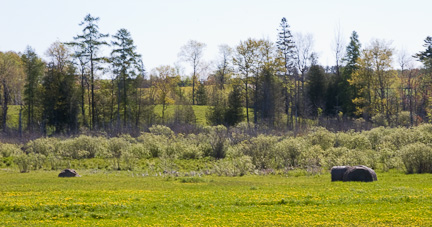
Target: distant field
[[200, 114], [129, 199]]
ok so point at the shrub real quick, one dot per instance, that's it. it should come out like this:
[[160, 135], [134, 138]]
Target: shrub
[[320, 136], [129, 159], [389, 159], [36, 160], [23, 162], [288, 151], [155, 144], [335, 156], [116, 147], [312, 159], [380, 120], [45, 146], [7, 150], [417, 158], [238, 166], [262, 151], [217, 138], [140, 151], [161, 130]]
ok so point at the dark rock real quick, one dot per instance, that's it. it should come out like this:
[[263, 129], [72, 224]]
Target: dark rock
[[359, 173], [69, 173]]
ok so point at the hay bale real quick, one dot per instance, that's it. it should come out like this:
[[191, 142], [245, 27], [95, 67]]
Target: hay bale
[[359, 173], [337, 172], [69, 173]]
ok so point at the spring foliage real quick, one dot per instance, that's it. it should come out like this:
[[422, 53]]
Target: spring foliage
[[230, 152]]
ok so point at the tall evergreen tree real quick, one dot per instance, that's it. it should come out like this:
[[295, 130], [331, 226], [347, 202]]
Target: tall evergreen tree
[[270, 101], [34, 69], [316, 88], [286, 46], [348, 92], [426, 56], [234, 113], [59, 99], [125, 62], [91, 40]]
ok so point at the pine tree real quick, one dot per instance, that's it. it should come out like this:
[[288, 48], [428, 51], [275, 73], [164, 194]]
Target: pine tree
[[286, 46], [216, 114], [91, 42], [201, 94], [125, 62], [59, 99], [348, 92], [234, 113], [316, 88], [426, 56]]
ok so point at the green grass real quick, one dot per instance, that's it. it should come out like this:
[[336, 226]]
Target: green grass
[[200, 112], [129, 199], [13, 116]]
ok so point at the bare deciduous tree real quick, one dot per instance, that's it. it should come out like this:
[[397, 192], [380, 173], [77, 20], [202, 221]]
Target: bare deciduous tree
[[192, 53]]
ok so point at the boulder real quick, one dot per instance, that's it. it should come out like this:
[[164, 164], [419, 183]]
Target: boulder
[[337, 172], [359, 173], [69, 173]]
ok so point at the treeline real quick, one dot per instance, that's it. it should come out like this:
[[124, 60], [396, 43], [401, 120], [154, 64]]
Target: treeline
[[277, 85], [230, 151]]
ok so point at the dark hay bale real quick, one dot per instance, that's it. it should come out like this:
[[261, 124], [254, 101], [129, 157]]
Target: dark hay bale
[[337, 172], [359, 173], [68, 173]]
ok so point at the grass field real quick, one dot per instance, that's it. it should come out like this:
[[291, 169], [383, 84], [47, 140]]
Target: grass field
[[130, 199]]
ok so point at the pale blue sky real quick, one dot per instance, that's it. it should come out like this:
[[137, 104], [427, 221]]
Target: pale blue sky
[[160, 28]]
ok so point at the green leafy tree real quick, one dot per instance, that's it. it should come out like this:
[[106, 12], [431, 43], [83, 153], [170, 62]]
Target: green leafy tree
[[60, 100], [34, 69], [11, 82], [245, 60], [165, 83]]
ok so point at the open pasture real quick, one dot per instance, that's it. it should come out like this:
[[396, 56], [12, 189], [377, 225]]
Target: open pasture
[[109, 198]]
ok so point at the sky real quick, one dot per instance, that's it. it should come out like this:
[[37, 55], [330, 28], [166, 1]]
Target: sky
[[160, 27]]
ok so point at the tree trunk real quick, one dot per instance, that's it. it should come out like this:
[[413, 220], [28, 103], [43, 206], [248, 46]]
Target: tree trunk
[[118, 104], [93, 107], [247, 99], [20, 121], [5, 105], [256, 101], [82, 99], [124, 101]]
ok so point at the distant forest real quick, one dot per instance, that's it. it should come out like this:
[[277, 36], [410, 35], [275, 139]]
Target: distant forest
[[276, 86]]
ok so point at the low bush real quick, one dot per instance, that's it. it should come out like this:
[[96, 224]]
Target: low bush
[[417, 158]]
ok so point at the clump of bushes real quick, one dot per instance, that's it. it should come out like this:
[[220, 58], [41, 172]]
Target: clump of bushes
[[230, 151]]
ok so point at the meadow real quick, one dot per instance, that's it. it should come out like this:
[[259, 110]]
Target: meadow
[[218, 176], [127, 198]]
